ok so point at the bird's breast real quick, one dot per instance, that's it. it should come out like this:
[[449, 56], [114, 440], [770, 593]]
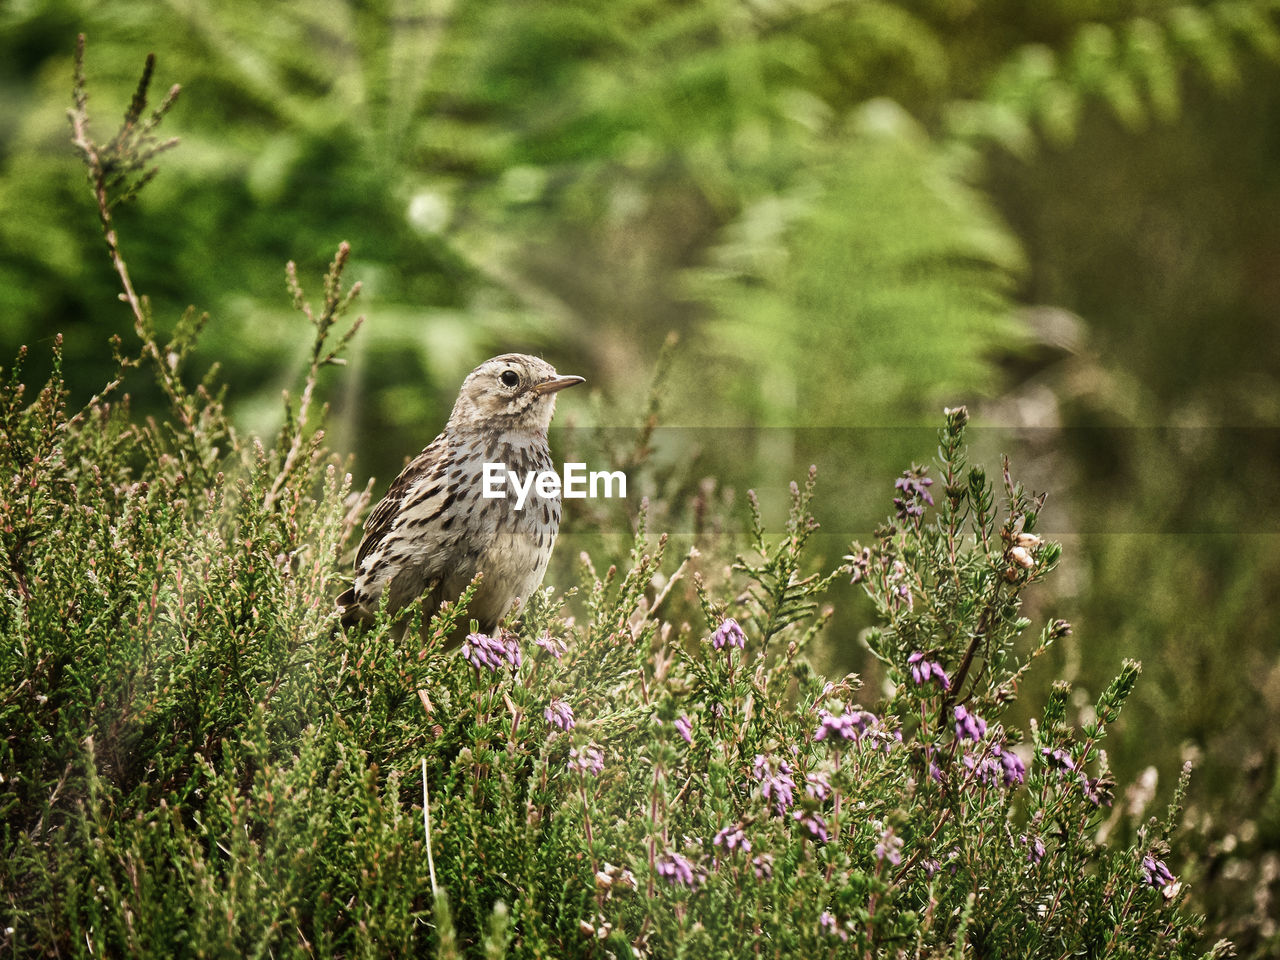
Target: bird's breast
[[507, 538]]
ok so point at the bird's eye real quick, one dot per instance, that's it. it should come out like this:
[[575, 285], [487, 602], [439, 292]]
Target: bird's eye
[[509, 378]]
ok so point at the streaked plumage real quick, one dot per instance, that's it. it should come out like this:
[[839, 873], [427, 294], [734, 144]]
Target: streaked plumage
[[434, 530]]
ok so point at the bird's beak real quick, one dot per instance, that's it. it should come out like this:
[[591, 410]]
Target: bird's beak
[[554, 384]]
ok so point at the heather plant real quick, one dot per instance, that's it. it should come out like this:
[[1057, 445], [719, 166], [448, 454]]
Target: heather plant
[[196, 762]]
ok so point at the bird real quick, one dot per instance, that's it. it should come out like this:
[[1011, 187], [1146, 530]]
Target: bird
[[435, 530]]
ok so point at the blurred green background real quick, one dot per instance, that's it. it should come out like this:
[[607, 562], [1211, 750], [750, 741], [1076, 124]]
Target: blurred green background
[[1064, 214]]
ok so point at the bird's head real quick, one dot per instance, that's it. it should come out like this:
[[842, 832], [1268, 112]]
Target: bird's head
[[512, 392]]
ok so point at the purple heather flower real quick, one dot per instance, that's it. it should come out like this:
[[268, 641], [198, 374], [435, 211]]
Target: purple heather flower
[[817, 785], [848, 726], [914, 486], [677, 869], [775, 781], [861, 563], [1159, 876], [551, 645], [481, 650], [1015, 771], [559, 714], [827, 924], [816, 824], [762, 866], [1035, 848], [830, 724], [922, 671], [729, 634], [936, 772], [889, 848], [997, 764], [865, 721], [1156, 873], [1096, 790], [684, 727], [969, 726], [1057, 757], [988, 769], [590, 759], [899, 589], [930, 866], [732, 838]]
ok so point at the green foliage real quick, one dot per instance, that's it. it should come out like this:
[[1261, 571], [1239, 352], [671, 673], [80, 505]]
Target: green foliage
[[525, 175], [201, 764], [883, 206], [1133, 66]]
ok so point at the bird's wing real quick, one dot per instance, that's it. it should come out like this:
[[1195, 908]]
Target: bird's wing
[[383, 518]]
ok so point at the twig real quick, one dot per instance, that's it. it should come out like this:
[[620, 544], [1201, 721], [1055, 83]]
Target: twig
[[117, 170], [128, 153], [335, 304], [673, 580], [426, 825]]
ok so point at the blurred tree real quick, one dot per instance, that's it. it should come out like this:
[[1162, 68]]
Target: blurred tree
[[541, 175]]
